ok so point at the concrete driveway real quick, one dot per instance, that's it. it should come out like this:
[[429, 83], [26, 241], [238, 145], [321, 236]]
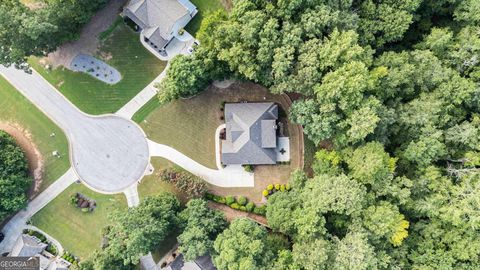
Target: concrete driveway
[[109, 153]]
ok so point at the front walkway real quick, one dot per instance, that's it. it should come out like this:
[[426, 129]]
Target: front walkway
[[230, 176], [16, 225], [131, 193], [150, 91]]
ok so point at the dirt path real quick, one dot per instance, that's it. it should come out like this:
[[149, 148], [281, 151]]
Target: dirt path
[[231, 214], [88, 43], [34, 158]]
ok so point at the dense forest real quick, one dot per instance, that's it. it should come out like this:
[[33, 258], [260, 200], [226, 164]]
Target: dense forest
[[14, 179], [390, 94], [25, 32]]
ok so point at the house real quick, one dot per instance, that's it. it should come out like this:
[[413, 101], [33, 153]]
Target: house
[[251, 134], [31, 246], [201, 263], [160, 21]]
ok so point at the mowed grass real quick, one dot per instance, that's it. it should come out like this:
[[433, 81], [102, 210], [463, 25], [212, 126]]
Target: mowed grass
[[121, 49], [80, 233], [16, 109], [189, 125], [204, 7], [152, 185]]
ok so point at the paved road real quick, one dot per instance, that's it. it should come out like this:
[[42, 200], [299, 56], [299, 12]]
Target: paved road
[[109, 153], [15, 226], [230, 176]]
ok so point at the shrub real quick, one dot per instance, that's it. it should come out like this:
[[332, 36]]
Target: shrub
[[191, 185], [229, 200], [277, 186], [260, 210], [235, 206], [85, 210], [248, 168], [250, 206], [282, 187], [219, 199], [241, 200], [287, 187], [270, 187], [243, 208], [265, 193]]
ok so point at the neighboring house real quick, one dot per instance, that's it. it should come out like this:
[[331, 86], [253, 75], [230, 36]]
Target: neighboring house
[[160, 20], [201, 263], [31, 246], [251, 134]]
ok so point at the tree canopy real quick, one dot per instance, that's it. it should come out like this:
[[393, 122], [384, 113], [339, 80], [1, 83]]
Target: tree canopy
[[14, 179], [27, 32]]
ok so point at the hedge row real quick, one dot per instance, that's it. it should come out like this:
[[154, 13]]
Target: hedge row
[[239, 203], [70, 258], [191, 185], [274, 188]]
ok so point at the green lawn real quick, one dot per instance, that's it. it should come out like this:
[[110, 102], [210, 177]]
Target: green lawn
[[151, 185], [15, 108], [189, 125], [81, 233], [186, 125], [78, 232], [204, 7], [125, 52]]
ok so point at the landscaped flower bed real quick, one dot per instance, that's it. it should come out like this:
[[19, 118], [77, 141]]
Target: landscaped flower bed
[[274, 188], [239, 203], [84, 203]]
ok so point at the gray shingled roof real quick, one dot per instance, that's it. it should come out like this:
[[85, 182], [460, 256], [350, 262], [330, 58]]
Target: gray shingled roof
[[27, 246], [156, 17], [251, 133]]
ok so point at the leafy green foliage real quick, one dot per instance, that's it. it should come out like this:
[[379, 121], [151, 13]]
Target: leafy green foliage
[[137, 231], [40, 31], [14, 179], [201, 228], [243, 245]]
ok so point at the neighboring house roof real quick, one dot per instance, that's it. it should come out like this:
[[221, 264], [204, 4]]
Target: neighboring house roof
[[250, 133], [201, 263], [27, 246], [157, 17]]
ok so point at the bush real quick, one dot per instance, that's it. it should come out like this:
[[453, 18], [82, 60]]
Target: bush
[[277, 186], [52, 249], [250, 206], [287, 187], [243, 208], [241, 200], [270, 187], [235, 206], [282, 187], [249, 168], [229, 200], [191, 185], [265, 193], [219, 199], [260, 210]]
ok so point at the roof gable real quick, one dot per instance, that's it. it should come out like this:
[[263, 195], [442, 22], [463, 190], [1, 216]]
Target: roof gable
[[250, 133], [158, 14]]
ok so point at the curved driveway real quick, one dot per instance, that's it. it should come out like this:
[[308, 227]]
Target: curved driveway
[[109, 153]]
